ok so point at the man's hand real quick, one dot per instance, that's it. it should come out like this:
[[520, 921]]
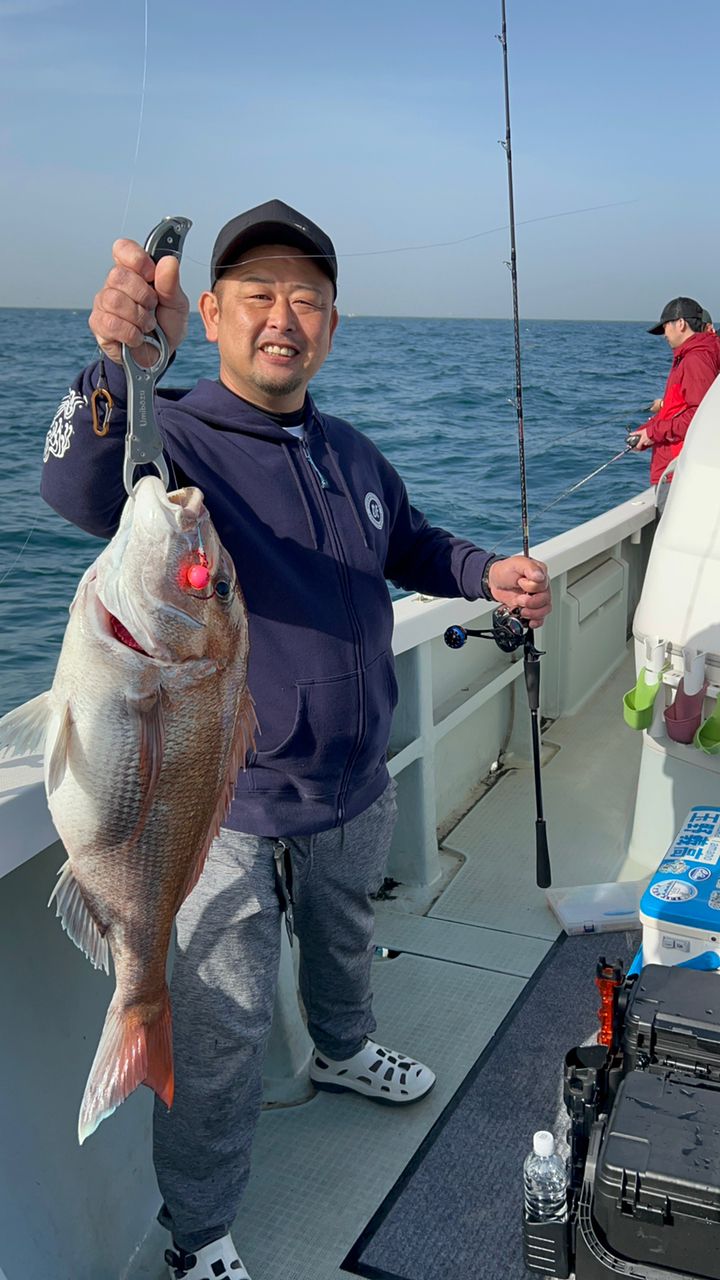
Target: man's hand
[[522, 583], [655, 407], [137, 296], [643, 441]]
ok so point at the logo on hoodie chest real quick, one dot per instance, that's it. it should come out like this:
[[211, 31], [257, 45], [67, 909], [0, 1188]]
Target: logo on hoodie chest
[[374, 509]]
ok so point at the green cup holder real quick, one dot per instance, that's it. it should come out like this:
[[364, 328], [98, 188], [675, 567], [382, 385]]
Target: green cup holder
[[707, 738], [639, 703]]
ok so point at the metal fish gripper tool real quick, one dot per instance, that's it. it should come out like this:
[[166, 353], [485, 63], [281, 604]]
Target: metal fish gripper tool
[[143, 443]]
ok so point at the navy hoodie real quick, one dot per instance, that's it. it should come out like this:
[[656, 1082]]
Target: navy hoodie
[[314, 526]]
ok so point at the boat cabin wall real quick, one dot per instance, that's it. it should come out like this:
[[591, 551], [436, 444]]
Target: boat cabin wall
[[679, 603], [677, 634]]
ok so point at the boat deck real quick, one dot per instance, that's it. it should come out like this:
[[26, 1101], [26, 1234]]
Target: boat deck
[[322, 1169]]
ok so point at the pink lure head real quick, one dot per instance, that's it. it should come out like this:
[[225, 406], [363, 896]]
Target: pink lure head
[[198, 575]]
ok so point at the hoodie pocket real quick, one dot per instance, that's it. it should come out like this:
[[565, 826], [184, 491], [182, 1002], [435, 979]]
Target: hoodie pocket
[[335, 720]]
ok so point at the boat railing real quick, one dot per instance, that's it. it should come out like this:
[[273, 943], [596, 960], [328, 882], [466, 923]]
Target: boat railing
[[461, 715]]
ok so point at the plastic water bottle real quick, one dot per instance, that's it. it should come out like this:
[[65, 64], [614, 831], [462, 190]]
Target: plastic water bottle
[[546, 1181]]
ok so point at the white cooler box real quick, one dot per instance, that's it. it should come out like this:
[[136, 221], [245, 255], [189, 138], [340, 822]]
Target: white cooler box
[[680, 909]]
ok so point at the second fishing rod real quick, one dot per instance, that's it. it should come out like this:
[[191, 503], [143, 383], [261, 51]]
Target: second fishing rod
[[508, 630]]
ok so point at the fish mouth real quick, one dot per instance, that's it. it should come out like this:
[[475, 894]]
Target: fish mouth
[[185, 508], [124, 616]]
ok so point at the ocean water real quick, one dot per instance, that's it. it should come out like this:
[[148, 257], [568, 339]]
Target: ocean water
[[434, 395]]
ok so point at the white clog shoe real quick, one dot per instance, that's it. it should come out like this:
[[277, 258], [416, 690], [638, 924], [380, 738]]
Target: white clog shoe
[[216, 1261], [378, 1073]]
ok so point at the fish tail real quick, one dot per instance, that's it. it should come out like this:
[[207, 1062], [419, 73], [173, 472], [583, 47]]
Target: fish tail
[[135, 1048]]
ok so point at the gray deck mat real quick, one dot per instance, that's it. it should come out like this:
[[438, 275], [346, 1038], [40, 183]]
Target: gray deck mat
[[455, 1212]]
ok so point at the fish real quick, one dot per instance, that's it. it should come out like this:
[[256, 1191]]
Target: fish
[[148, 720]]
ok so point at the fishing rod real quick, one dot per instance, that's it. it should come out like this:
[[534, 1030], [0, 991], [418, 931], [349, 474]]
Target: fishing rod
[[509, 631], [531, 655], [540, 511], [629, 448]]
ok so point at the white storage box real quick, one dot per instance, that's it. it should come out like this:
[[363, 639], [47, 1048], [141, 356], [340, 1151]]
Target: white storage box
[[597, 908], [680, 909]]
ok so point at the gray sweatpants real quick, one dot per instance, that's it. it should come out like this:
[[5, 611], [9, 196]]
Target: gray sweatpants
[[223, 992]]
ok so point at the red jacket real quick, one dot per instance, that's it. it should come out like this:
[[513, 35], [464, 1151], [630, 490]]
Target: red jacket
[[695, 366]]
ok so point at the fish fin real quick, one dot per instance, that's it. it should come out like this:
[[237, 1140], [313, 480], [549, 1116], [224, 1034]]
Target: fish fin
[[23, 730], [246, 725], [77, 920], [148, 718], [57, 762], [132, 1051]]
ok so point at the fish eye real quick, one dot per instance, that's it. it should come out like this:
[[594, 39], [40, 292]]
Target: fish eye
[[222, 588]]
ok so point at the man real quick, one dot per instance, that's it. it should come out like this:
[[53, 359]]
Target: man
[[707, 327], [695, 365], [315, 520]]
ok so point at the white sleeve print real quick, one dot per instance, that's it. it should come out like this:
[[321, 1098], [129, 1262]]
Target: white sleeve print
[[58, 437]]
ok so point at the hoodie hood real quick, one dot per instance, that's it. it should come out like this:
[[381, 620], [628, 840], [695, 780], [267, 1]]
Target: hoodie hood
[[699, 342]]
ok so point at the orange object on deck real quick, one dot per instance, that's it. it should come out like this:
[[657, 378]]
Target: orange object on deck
[[608, 978]]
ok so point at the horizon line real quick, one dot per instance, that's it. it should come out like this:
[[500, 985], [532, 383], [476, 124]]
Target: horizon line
[[374, 315]]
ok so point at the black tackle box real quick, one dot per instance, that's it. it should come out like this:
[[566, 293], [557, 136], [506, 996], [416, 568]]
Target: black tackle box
[[656, 1193], [644, 1168], [672, 1021]]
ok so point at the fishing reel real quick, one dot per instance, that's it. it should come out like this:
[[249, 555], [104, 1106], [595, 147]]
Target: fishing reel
[[508, 632]]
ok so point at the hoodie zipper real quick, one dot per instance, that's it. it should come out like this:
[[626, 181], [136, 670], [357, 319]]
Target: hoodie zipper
[[342, 565], [322, 480]]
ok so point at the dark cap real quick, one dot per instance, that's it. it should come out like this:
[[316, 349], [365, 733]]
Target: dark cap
[[678, 309], [272, 223]]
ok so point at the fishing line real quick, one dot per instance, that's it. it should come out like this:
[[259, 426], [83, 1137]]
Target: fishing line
[[568, 435], [439, 244], [478, 235], [550, 444], [351, 254], [138, 139], [20, 552], [566, 492], [140, 125]]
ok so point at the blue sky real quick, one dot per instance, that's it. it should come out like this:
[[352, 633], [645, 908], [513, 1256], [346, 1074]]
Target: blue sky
[[380, 120]]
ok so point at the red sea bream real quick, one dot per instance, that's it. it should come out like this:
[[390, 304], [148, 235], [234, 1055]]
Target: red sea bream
[[147, 722]]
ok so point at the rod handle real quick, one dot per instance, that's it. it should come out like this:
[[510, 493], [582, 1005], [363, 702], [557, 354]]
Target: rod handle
[[542, 856]]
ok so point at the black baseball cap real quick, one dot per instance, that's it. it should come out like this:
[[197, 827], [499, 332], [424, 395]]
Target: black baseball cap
[[272, 223], [678, 309]]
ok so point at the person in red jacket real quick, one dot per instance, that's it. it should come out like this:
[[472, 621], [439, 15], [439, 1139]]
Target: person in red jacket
[[707, 327], [695, 365]]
